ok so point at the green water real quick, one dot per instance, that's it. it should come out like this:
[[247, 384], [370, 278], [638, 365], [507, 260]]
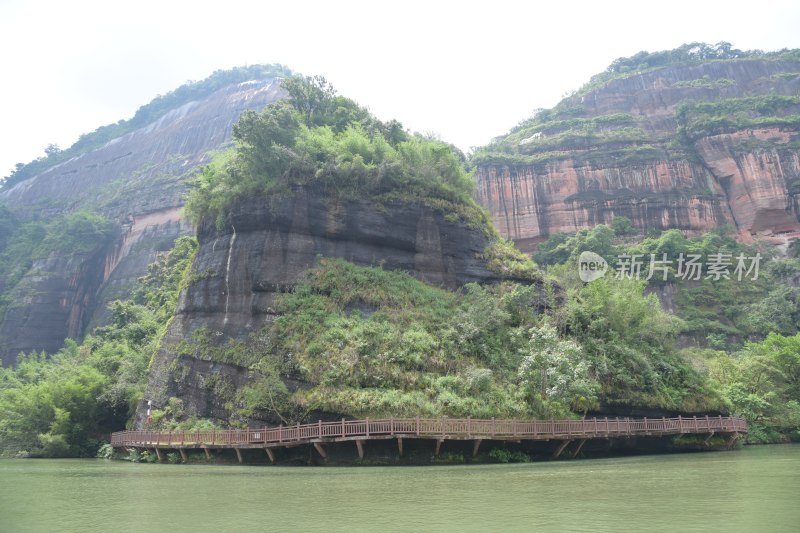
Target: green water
[[756, 489]]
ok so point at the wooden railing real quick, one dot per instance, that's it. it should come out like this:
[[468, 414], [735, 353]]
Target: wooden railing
[[441, 428]]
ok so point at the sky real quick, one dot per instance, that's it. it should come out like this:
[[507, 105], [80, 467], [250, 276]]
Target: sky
[[465, 71]]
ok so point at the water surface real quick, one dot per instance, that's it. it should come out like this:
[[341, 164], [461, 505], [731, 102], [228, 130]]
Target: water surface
[[755, 489]]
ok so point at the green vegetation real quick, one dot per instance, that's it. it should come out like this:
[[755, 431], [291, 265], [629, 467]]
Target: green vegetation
[[545, 138], [705, 82], [146, 114], [785, 75], [697, 119], [505, 259], [373, 343], [566, 132], [748, 329], [687, 54], [320, 140], [66, 404], [761, 381], [501, 455]]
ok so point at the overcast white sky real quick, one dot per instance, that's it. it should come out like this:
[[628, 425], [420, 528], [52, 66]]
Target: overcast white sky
[[466, 71]]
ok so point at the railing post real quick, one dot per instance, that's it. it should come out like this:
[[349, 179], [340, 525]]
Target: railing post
[[708, 423], [680, 424], [280, 433], [391, 426], [213, 435], [493, 426], [367, 424], [417, 424], [514, 427], [469, 426], [319, 426], [343, 428], [695, 422]]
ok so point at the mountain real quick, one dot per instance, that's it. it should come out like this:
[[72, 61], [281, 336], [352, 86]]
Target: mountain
[[693, 138], [134, 176], [342, 267]]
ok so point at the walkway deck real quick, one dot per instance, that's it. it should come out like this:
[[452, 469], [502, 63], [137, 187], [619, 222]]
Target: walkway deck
[[439, 429]]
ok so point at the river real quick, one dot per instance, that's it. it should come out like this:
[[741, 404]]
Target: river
[[756, 489]]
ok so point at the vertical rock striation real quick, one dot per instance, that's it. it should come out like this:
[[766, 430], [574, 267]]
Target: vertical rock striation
[[621, 149]]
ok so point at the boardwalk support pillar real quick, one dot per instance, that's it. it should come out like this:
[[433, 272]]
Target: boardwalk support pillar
[[400, 445], [271, 455], [475, 446], [360, 448], [183, 454], [438, 446], [708, 438], [578, 449], [158, 455], [208, 453], [320, 450], [560, 449], [238, 455]]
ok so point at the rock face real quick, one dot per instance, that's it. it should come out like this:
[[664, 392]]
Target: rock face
[[59, 307], [266, 248], [139, 182], [528, 204], [629, 159], [761, 185]]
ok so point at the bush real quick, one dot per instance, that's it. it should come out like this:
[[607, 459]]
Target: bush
[[501, 455], [106, 451]]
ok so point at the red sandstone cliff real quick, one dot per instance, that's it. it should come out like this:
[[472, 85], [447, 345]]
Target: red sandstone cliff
[[689, 146]]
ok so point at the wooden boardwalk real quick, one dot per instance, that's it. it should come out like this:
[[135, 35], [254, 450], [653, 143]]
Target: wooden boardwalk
[[438, 429]]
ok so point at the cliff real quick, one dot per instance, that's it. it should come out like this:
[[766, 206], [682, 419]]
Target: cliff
[[265, 249], [689, 146], [138, 182]]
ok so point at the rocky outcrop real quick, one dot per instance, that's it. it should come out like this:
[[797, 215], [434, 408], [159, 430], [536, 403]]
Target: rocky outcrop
[[52, 302], [616, 150], [264, 250], [760, 185], [528, 204], [139, 182]]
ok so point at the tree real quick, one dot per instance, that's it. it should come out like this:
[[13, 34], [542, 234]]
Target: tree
[[622, 226], [555, 374], [312, 96], [52, 150]]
